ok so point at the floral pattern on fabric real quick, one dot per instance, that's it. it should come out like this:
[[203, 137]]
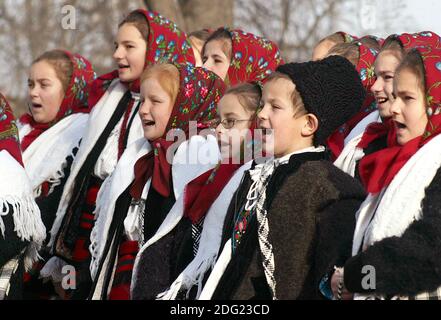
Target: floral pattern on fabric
[[253, 58], [8, 131], [199, 92], [377, 170], [240, 226], [165, 43], [75, 98]]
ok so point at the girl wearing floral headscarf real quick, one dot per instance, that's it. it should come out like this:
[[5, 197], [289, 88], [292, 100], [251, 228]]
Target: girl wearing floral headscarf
[[376, 135], [237, 56], [50, 133], [398, 229], [133, 206], [143, 38], [21, 230], [58, 113], [201, 210]]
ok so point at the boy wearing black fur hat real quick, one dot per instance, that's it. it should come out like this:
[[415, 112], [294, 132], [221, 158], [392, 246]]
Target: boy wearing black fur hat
[[280, 233]]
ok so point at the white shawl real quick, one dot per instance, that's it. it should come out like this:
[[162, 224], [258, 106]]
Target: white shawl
[[98, 120], [45, 158], [207, 152], [210, 240], [16, 192], [390, 212], [348, 158]]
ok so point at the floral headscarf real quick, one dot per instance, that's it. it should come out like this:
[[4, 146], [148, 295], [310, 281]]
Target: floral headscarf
[[378, 169], [200, 91], [165, 43], [253, 58], [377, 130], [8, 131], [75, 97]]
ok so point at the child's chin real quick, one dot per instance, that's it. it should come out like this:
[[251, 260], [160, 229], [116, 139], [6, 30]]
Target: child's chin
[[125, 77]]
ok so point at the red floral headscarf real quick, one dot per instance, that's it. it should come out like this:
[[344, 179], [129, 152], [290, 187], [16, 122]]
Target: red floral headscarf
[[8, 131], [365, 68], [253, 58], [377, 130], [424, 38], [165, 43], [377, 170], [75, 98], [200, 91]]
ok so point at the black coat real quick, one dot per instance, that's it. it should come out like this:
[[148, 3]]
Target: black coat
[[10, 247], [409, 264], [311, 214]]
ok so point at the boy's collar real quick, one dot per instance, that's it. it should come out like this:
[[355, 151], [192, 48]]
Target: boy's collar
[[285, 159]]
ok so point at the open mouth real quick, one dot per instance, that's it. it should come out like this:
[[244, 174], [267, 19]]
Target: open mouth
[[382, 100], [37, 105], [148, 123], [399, 125], [123, 66]]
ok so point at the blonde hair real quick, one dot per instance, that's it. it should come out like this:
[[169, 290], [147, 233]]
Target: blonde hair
[[393, 46], [414, 63], [168, 77], [335, 38], [349, 51], [61, 63], [296, 98], [248, 94]]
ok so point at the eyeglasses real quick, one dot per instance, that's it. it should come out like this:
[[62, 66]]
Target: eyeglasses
[[229, 123]]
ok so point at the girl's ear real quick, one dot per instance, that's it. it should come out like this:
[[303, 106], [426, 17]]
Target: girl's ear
[[311, 125]]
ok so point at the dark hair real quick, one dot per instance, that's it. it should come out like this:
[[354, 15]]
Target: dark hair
[[223, 35], [349, 51], [61, 63], [248, 94], [413, 62], [139, 21]]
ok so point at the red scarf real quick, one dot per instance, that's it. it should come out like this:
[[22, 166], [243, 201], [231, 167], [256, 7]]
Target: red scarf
[[365, 68], [377, 170], [378, 130], [8, 131], [200, 91], [165, 43], [253, 58], [424, 38], [75, 98]]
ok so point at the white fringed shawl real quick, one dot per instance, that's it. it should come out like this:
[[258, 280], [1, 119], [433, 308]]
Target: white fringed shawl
[[16, 193], [210, 241]]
